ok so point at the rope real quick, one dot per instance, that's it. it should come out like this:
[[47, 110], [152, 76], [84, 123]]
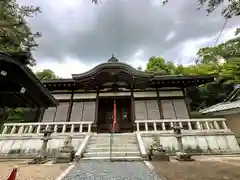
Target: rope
[[220, 33]]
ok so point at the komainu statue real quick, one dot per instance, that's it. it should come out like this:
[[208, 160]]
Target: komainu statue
[[66, 153]]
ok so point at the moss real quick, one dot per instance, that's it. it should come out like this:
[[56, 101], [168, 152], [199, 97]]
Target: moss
[[14, 151]]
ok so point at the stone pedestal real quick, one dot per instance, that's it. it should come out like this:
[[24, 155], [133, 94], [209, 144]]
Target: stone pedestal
[[159, 156], [157, 152], [182, 156], [66, 153]]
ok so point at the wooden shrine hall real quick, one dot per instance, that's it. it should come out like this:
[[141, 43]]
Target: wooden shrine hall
[[136, 95]]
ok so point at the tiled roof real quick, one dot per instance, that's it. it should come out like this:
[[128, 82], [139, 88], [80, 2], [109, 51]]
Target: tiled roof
[[231, 102], [222, 107]]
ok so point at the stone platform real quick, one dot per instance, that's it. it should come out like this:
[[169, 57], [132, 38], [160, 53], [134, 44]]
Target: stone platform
[[201, 136]]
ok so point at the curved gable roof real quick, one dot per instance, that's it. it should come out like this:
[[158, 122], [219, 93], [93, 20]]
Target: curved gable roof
[[113, 66]]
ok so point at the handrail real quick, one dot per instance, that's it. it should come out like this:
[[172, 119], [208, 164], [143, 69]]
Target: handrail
[[81, 148], [47, 123], [141, 146], [180, 120], [35, 128], [111, 142]]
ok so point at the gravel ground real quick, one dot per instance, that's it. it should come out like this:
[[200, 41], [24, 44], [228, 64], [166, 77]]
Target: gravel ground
[[197, 170], [31, 172], [103, 170]]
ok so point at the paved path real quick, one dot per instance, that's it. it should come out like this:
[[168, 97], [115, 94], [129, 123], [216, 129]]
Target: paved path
[[103, 170]]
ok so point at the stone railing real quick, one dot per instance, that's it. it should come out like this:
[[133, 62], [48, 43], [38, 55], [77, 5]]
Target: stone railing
[[36, 128], [211, 124]]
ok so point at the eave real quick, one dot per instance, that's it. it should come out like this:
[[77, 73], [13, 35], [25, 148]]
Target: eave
[[20, 76]]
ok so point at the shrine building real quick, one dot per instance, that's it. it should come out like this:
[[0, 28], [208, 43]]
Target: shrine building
[[113, 101], [138, 95]]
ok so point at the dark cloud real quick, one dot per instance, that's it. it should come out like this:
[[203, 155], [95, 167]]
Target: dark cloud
[[92, 33]]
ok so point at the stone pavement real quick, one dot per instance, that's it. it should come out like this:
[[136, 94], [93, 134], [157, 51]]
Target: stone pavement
[[104, 170]]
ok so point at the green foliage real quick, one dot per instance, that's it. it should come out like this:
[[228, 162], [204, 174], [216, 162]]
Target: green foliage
[[158, 65], [15, 34], [229, 52], [46, 74], [205, 95], [225, 50], [231, 9], [237, 32]]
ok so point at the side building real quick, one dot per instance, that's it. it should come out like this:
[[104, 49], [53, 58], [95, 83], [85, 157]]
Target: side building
[[229, 109]]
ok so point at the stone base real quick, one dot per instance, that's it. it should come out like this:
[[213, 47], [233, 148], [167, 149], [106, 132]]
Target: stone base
[[39, 160], [159, 156], [62, 160], [65, 157], [183, 156]]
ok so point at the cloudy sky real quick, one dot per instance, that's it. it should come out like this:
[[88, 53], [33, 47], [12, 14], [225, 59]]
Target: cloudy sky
[[77, 35]]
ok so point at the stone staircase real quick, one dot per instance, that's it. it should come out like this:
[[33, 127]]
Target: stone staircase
[[124, 147]]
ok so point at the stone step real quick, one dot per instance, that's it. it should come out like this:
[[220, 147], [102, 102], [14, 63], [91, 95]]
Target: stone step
[[113, 141], [129, 158], [114, 154], [116, 140], [113, 149], [115, 134], [108, 135], [113, 145], [117, 137]]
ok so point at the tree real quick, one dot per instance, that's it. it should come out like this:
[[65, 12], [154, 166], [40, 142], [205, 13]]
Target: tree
[[232, 8], [139, 68], [46, 74], [202, 96], [227, 57], [15, 34], [225, 51], [159, 66]]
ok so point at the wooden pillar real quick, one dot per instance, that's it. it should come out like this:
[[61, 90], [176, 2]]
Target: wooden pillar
[[54, 117], [159, 105], [96, 108], [95, 123], [39, 114], [133, 115], [70, 107], [186, 100]]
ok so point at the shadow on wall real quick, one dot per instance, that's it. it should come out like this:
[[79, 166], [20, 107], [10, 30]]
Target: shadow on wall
[[32, 152]]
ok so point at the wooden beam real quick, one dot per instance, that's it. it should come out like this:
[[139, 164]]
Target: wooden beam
[[186, 100], [159, 105], [70, 107], [133, 107], [96, 108]]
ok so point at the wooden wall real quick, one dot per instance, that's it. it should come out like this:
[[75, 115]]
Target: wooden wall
[[148, 105]]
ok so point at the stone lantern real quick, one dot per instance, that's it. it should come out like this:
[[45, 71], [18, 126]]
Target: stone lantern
[[43, 156], [181, 155]]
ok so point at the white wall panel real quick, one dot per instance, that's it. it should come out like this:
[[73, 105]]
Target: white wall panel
[[49, 114], [62, 96], [145, 94], [62, 110], [84, 95]]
